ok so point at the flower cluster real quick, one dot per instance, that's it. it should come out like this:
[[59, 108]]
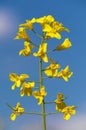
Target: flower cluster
[[63, 108], [50, 29], [17, 111], [40, 94], [19, 81]]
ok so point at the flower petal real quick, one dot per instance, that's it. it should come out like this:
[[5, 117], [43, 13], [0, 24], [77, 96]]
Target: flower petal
[[66, 116], [13, 116]]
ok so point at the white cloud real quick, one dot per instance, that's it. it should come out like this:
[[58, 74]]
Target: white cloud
[[75, 123], [54, 122], [1, 124], [31, 127], [57, 123], [7, 22]]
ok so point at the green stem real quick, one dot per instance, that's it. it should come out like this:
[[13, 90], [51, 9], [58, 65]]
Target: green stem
[[35, 113], [49, 51], [43, 103], [10, 106], [44, 78], [51, 113], [43, 116], [41, 72], [36, 34], [34, 44], [49, 102], [35, 87]]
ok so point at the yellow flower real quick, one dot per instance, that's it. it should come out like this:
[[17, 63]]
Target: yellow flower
[[42, 52], [50, 19], [53, 29], [27, 25], [26, 88], [51, 70], [17, 111], [40, 94], [17, 79], [65, 45], [43, 20], [59, 27], [68, 111], [27, 49], [22, 34], [60, 97], [60, 105], [65, 73], [51, 32]]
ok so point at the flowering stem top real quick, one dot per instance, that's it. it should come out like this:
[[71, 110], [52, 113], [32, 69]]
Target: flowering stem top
[[50, 29]]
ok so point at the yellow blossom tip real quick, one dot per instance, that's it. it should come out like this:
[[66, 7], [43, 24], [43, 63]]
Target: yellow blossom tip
[[65, 45], [42, 52]]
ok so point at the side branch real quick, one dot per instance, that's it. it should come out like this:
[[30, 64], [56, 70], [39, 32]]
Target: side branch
[[50, 102], [51, 113], [34, 113]]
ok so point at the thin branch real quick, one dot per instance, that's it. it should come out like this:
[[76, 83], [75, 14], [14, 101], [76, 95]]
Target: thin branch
[[35, 87], [34, 113], [10, 106], [49, 102], [34, 44], [37, 82], [44, 78], [49, 51], [51, 113], [37, 34], [47, 77]]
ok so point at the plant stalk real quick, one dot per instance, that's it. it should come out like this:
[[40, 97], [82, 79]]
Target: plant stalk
[[43, 103]]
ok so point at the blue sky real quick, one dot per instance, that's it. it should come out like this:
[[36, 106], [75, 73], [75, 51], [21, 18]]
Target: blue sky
[[73, 15]]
